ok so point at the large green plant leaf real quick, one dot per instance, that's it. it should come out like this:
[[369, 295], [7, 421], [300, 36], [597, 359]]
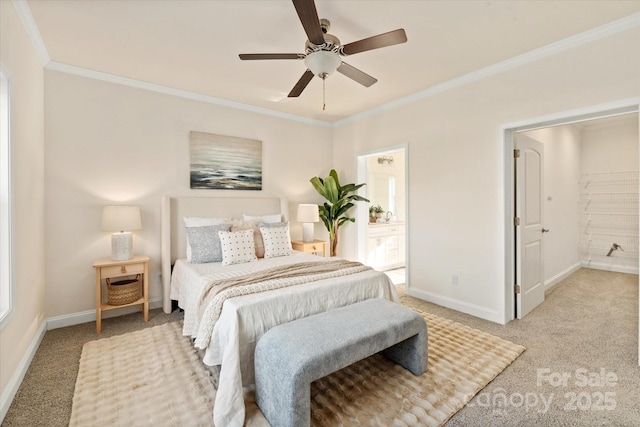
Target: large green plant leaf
[[340, 200]]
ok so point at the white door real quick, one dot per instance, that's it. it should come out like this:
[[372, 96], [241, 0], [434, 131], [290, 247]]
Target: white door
[[529, 233]]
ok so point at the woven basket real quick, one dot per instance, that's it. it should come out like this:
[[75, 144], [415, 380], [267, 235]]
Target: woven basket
[[123, 292]]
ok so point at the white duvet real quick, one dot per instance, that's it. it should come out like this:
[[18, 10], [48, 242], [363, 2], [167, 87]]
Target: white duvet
[[246, 318]]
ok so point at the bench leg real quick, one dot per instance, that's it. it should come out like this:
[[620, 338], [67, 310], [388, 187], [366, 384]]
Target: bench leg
[[283, 404], [410, 353]]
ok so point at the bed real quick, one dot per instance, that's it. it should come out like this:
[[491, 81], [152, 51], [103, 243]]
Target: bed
[[228, 331]]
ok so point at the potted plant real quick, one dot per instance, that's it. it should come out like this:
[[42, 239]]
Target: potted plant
[[340, 199], [375, 211]]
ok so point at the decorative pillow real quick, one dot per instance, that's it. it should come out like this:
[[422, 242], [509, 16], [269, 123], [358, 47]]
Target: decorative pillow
[[237, 246], [257, 237], [201, 222], [205, 243], [277, 241], [263, 218], [273, 224]]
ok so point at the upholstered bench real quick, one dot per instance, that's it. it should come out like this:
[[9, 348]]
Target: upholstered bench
[[289, 357]]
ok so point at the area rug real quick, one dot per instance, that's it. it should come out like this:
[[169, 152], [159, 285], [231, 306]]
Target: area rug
[[154, 377], [150, 377]]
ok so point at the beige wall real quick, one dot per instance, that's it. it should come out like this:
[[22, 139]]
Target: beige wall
[[456, 163], [110, 144], [27, 126], [611, 147]]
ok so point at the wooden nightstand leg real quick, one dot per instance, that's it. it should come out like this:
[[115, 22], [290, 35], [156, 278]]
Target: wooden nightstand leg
[[145, 292], [98, 302]]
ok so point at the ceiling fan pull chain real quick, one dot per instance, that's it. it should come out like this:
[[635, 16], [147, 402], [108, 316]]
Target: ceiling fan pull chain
[[324, 105]]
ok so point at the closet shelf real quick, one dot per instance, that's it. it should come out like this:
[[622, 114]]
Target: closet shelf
[[609, 214]]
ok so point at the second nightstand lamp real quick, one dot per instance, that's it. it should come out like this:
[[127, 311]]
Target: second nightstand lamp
[[121, 220], [307, 215]]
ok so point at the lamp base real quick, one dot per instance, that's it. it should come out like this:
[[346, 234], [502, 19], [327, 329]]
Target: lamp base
[[121, 246], [307, 232]]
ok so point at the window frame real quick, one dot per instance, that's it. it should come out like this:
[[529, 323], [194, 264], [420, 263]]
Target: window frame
[[7, 282]]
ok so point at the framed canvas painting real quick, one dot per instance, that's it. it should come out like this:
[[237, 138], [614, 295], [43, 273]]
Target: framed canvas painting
[[221, 162]]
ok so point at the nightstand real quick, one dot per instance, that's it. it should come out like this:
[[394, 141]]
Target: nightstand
[[317, 247], [109, 269]]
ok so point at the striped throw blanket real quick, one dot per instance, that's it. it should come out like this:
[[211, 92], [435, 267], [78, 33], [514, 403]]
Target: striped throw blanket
[[217, 292]]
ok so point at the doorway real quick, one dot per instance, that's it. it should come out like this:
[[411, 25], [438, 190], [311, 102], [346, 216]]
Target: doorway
[[579, 119], [383, 223]]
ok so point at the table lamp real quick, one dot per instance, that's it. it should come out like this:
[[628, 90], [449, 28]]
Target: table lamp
[[307, 215], [121, 220]]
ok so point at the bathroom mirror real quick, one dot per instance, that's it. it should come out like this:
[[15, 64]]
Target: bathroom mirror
[[382, 191]]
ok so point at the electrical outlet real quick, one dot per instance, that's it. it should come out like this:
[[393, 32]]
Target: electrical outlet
[[454, 280]]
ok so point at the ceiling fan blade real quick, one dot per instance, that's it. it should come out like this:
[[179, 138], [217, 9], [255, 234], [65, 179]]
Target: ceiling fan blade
[[375, 42], [253, 56], [310, 22], [302, 83], [357, 75]]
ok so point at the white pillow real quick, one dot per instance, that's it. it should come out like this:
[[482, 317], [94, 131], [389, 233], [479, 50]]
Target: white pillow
[[237, 246], [202, 222], [263, 218], [277, 241]]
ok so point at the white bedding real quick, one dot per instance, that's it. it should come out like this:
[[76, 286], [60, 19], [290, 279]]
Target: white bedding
[[246, 318]]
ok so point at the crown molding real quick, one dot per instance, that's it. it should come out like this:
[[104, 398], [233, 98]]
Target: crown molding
[[598, 33], [139, 84], [24, 13]]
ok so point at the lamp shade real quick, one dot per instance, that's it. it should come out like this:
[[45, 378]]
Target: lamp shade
[[121, 218], [308, 213], [322, 63]]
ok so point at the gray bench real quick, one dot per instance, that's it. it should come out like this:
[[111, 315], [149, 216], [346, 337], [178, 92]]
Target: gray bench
[[289, 357]]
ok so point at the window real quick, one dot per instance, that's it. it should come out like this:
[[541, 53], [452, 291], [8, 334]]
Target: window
[[6, 276]]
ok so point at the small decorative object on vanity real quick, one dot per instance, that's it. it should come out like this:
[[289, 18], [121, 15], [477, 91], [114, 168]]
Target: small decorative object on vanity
[[375, 212], [121, 220]]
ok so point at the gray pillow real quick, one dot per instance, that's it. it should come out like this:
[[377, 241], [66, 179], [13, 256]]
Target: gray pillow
[[273, 224], [205, 243]]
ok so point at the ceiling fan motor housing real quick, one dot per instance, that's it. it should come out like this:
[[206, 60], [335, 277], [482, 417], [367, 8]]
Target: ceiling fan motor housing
[[331, 42]]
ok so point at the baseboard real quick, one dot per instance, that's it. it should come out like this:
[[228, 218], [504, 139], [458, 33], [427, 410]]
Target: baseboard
[[461, 306], [90, 315], [13, 385], [552, 281], [608, 267]]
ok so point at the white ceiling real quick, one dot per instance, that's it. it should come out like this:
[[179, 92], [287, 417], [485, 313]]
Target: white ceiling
[[194, 45]]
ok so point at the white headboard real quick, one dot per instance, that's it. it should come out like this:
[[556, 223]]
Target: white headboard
[[174, 209]]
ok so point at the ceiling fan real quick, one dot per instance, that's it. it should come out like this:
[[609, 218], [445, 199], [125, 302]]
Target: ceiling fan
[[323, 51]]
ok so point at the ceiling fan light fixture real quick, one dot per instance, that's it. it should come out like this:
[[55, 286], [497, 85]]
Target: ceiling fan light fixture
[[322, 63]]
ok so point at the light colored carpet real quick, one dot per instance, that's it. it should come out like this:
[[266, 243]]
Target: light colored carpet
[[153, 377]]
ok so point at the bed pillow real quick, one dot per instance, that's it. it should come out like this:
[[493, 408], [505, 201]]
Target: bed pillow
[[237, 246], [205, 243], [277, 241], [273, 224], [263, 218], [257, 236], [201, 222]]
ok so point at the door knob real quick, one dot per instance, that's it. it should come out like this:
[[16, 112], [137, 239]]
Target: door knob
[[544, 230]]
